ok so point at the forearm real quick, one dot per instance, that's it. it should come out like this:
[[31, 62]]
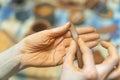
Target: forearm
[[10, 62]]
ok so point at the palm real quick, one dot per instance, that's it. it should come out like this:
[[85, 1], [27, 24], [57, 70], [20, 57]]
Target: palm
[[47, 50]]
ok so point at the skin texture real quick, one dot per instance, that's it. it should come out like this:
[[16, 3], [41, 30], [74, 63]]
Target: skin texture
[[48, 47], [90, 71], [115, 74]]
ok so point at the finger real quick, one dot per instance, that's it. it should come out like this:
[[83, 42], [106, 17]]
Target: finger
[[86, 37], [87, 55], [115, 74], [90, 44], [81, 30], [56, 32], [70, 56], [111, 61], [112, 52], [89, 37]]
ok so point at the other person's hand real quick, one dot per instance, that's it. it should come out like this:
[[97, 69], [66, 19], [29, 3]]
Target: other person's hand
[[115, 74], [90, 71]]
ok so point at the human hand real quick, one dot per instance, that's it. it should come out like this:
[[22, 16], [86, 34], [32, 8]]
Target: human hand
[[115, 74], [48, 47], [90, 71]]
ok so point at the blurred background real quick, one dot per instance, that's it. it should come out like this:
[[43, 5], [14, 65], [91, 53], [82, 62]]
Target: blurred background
[[19, 18]]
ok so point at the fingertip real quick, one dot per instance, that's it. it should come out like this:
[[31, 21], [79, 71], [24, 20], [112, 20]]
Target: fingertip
[[95, 43], [103, 42], [97, 35], [65, 27], [58, 31], [106, 44], [68, 24]]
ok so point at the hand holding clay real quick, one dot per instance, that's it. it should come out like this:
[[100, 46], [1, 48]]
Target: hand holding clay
[[90, 71], [48, 47]]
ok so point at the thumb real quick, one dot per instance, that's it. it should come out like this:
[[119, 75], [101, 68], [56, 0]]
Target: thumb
[[56, 32]]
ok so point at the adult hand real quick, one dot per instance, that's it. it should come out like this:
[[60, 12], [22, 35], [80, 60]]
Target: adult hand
[[115, 74], [90, 71], [48, 47]]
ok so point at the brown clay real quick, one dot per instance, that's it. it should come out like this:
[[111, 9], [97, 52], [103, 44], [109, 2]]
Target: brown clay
[[75, 37]]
